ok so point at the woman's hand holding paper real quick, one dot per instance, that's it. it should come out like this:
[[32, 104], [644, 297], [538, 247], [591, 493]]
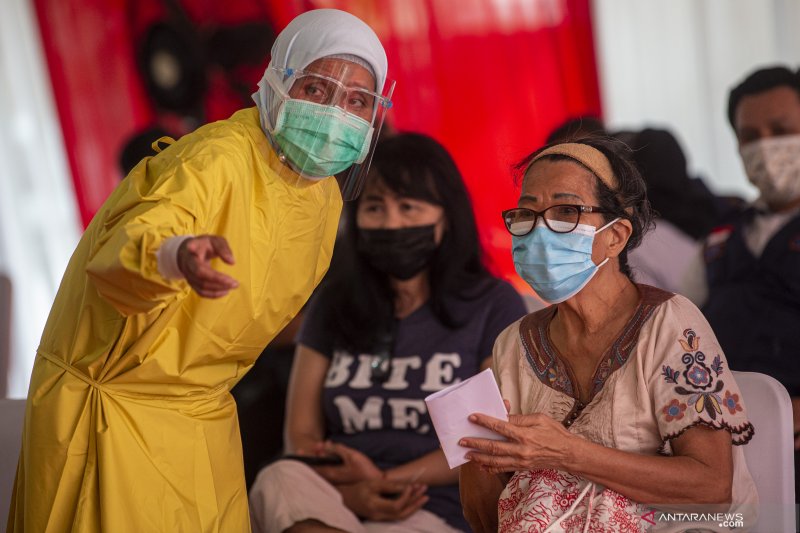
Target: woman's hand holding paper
[[533, 442]]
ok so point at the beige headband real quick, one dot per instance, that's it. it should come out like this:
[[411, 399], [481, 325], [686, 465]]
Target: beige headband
[[588, 156]]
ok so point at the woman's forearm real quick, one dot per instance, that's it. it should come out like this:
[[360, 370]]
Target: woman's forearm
[[480, 492], [295, 442], [699, 471], [305, 425], [430, 469], [650, 479]]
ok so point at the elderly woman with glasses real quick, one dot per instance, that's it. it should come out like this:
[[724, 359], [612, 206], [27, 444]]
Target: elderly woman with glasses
[[620, 399], [410, 310]]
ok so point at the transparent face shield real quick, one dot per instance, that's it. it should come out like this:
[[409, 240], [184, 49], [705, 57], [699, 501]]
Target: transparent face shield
[[325, 120]]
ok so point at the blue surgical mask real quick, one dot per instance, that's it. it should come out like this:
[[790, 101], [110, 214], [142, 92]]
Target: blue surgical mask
[[320, 140], [556, 265]]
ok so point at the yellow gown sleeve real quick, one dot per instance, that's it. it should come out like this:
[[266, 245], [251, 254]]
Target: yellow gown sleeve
[[163, 197]]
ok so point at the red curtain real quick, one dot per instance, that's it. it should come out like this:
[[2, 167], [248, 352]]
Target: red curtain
[[487, 78]]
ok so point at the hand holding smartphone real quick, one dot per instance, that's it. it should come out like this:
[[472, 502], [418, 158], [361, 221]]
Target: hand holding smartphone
[[316, 460]]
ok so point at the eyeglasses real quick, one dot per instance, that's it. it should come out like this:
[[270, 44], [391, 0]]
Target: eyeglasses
[[562, 218], [325, 90]]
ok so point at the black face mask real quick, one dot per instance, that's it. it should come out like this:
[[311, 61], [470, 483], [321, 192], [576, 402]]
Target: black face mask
[[401, 253]]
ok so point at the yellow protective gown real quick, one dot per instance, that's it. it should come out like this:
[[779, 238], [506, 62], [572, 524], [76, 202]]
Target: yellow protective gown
[[129, 425]]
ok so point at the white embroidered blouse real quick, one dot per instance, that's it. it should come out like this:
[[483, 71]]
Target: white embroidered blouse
[[665, 374]]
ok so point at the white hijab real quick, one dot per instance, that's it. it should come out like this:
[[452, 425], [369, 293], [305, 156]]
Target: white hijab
[[314, 35]]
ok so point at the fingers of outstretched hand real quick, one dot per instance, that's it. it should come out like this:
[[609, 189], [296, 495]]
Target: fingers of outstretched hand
[[209, 279], [194, 257], [208, 247], [221, 249]]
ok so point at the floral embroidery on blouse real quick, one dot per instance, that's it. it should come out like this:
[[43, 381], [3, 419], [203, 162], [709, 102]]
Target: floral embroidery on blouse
[[700, 380], [699, 385], [731, 401], [674, 410]]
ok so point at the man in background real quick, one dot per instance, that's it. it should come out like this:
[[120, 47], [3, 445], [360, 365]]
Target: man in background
[[753, 262]]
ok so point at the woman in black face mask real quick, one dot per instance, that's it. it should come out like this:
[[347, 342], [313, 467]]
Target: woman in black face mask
[[407, 309]]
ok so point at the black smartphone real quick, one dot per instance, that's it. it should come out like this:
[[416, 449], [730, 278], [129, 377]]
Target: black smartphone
[[313, 460]]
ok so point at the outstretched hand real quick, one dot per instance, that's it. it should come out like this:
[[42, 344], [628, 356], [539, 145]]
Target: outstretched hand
[[194, 261]]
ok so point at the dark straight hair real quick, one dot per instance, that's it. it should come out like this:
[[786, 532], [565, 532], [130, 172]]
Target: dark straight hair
[[360, 298], [759, 81]]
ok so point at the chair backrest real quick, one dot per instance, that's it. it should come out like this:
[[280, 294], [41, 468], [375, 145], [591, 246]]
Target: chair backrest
[[770, 454], [12, 413]]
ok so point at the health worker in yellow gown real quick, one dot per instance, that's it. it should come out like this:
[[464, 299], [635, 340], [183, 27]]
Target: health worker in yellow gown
[[200, 256]]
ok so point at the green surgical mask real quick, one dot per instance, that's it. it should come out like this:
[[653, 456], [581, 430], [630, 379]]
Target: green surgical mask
[[320, 140]]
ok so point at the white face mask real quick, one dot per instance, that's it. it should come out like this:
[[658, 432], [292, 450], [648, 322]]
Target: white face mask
[[773, 165]]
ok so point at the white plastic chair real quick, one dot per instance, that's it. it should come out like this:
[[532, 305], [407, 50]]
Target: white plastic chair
[[5, 332], [770, 454], [12, 413]]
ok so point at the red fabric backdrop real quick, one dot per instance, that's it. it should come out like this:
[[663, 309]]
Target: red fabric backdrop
[[487, 78]]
